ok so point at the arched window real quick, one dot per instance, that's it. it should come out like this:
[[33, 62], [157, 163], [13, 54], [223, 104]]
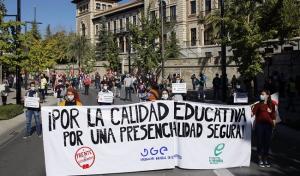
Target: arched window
[[83, 29]]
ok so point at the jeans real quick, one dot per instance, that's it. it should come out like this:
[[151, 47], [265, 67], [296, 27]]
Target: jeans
[[263, 138], [86, 89], [36, 114], [43, 93], [128, 92]]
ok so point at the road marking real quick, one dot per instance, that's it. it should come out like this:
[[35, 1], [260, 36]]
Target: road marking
[[223, 172]]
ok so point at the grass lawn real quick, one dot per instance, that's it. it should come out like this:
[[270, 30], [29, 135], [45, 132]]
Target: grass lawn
[[10, 111]]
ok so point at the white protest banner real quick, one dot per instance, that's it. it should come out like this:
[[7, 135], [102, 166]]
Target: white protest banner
[[145, 136], [105, 97], [32, 102], [179, 88]]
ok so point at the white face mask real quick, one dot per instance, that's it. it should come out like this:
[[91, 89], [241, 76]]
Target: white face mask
[[262, 97], [32, 88], [105, 87], [177, 81], [238, 86], [71, 97], [165, 96]]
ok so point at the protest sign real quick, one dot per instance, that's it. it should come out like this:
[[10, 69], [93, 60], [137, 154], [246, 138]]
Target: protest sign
[[105, 97], [240, 97], [146, 136], [2, 87], [179, 88], [32, 102]]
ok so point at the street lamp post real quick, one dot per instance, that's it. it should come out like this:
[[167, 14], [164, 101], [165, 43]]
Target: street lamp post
[[162, 40], [223, 55], [18, 68]]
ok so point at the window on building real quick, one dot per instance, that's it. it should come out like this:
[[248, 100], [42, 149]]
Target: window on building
[[164, 9], [108, 26], [109, 6], [193, 7], [208, 35], [193, 36], [128, 46], [104, 6], [152, 15], [207, 6], [173, 13], [121, 44], [127, 23], [98, 6], [134, 20], [96, 29], [83, 29], [115, 26], [121, 23]]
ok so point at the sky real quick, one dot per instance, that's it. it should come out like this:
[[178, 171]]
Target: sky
[[60, 14]]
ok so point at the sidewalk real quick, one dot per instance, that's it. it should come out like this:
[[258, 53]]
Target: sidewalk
[[8, 127]]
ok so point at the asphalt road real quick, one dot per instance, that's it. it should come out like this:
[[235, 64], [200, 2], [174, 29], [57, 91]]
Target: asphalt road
[[25, 157]]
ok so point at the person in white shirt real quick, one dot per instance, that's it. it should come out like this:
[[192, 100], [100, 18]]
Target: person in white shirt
[[128, 84]]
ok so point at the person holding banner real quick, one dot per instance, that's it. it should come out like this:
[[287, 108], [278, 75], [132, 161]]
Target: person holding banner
[[70, 99], [264, 112], [108, 100], [32, 111], [165, 95]]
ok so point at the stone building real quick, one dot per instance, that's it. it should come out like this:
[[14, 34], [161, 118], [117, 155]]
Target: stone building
[[199, 53]]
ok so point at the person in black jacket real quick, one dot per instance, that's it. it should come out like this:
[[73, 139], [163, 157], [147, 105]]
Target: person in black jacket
[[35, 112]]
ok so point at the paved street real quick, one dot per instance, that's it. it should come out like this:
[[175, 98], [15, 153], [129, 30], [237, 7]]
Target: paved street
[[20, 157]]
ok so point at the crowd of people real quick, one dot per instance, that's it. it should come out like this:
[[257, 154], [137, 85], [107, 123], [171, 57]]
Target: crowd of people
[[147, 88]]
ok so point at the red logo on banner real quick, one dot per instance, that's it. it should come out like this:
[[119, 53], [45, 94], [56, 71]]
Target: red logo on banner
[[85, 157]]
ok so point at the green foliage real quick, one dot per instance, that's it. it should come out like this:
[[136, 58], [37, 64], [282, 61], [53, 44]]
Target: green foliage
[[145, 43], [172, 49], [107, 47], [249, 23], [280, 19], [81, 49], [10, 111], [48, 32]]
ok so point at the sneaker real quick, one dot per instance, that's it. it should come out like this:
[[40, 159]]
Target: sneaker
[[261, 163], [267, 163], [26, 136]]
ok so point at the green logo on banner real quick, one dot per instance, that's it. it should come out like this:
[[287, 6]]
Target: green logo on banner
[[219, 149]]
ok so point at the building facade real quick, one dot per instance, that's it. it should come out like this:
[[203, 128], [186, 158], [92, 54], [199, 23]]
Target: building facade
[[199, 53]]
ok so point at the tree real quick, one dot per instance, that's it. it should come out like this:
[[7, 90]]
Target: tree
[[107, 47], [249, 23], [48, 32], [280, 19], [172, 48], [145, 42], [244, 34], [81, 49]]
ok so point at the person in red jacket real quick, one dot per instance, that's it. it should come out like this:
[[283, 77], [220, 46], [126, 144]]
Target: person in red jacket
[[264, 113]]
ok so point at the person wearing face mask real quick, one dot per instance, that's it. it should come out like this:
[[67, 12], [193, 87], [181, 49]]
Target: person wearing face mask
[[71, 99], [59, 91], [32, 92], [104, 90], [165, 95], [264, 113]]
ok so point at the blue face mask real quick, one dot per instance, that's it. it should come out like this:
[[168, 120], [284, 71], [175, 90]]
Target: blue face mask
[[262, 97]]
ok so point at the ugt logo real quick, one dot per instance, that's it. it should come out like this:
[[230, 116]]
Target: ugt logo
[[219, 149], [153, 151]]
